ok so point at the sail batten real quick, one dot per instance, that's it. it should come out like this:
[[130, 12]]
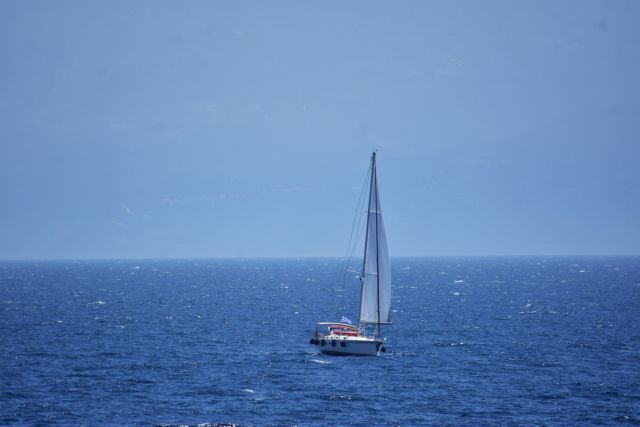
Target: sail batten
[[375, 302]]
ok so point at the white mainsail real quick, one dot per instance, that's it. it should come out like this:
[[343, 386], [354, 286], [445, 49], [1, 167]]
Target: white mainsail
[[375, 299]]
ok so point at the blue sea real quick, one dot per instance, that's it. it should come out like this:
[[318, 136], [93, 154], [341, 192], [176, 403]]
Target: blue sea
[[475, 341]]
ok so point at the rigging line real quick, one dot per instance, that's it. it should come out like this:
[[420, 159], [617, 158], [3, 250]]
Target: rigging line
[[354, 236], [358, 218]]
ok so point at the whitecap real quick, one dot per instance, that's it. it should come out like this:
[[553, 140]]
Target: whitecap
[[248, 390], [322, 362]]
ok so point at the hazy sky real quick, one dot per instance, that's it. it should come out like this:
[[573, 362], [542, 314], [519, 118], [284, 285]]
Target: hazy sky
[[234, 128]]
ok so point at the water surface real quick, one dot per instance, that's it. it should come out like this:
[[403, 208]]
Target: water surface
[[475, 341]]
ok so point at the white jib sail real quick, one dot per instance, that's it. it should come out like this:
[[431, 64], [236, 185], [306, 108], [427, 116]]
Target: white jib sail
[[375, 303]]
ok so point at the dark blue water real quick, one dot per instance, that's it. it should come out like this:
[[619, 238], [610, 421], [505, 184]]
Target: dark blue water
[[476, 341]]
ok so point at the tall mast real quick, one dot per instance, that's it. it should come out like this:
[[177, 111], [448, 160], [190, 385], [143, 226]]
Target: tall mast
[[375, 176], [366, 236]]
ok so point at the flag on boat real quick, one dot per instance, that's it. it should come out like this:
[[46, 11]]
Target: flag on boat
[[346, 320]]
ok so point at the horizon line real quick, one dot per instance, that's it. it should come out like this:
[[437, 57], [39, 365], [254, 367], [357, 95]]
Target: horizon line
[[336, 257]]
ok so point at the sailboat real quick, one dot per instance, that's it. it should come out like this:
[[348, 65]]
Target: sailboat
[[344, 338]]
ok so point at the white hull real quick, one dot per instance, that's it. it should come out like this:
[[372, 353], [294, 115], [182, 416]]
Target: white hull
[[341, 345]]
